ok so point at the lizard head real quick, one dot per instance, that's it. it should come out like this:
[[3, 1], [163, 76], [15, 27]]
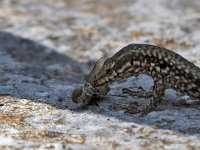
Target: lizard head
[[106, 73]]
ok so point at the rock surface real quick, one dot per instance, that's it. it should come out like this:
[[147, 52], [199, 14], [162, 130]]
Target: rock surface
[[48, 47]]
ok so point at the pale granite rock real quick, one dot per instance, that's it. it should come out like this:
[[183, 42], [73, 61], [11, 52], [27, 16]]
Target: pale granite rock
[[48, 47]]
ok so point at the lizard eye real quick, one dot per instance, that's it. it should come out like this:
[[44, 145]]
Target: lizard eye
[[109, 71]]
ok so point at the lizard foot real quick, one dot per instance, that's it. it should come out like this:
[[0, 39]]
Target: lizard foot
[[132, 108], [186, 103]]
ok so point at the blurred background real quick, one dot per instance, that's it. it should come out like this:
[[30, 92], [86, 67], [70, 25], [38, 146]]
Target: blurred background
[[47, 47], [81, 28]]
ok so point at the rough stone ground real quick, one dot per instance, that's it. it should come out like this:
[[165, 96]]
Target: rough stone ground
[[48, 47]]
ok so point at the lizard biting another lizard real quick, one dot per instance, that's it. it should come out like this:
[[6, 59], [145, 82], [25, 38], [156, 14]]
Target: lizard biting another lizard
[[87, 92], [167, 68]]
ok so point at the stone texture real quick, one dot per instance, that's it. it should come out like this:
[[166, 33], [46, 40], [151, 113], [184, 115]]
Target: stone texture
[[48, 47]]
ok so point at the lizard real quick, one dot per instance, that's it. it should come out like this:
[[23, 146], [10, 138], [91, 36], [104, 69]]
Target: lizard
[[167, 68]]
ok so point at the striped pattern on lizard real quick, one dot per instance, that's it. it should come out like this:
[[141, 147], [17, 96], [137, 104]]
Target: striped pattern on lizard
[[167, 68]]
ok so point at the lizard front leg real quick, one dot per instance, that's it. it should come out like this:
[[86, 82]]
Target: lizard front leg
[[141, 93], [157, 96]]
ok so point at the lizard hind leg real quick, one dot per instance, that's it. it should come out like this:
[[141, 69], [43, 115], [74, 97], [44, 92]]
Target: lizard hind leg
[[156, 96]]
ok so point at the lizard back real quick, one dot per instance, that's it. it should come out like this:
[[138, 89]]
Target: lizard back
[[178, 73]]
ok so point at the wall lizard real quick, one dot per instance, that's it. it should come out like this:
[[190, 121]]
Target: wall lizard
[[167, 68]]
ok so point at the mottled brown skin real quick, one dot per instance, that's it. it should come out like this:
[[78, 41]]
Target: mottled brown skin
[[167, 68]]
